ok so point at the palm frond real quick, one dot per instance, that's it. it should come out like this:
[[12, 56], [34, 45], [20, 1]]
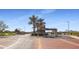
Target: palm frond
[[29, 22]]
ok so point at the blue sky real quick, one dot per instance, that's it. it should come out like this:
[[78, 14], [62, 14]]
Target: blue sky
[[54, 18]]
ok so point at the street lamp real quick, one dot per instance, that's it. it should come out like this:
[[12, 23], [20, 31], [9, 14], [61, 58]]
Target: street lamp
[[68, 23]]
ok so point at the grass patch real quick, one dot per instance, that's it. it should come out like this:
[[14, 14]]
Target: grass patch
[[74, 33], [7, 33]]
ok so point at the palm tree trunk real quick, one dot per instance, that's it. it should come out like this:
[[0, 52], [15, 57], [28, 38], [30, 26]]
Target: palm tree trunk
[[34, 29]]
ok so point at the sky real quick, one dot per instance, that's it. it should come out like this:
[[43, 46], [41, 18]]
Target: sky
[[54, 18]]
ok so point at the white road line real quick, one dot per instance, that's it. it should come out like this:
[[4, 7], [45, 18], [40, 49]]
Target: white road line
[[39, 43]]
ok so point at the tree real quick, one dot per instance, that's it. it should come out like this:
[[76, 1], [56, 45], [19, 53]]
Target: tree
[[33, 20], [41, 26], [3, 26], [17, 31], [40, 20]]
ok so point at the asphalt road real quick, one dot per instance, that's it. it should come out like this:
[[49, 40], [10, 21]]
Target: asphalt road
[[31, 42], [62, 42], [23, 42]]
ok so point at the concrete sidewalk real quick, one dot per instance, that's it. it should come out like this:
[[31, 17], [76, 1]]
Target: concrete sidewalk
[[75, 37]]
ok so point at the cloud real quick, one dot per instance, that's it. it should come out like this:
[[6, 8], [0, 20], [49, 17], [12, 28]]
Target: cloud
[[43, 13], [46, 11]]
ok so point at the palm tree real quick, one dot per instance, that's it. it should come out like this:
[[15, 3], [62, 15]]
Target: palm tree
[[40, 20], [40, 23], [40, 26], [33, 20]]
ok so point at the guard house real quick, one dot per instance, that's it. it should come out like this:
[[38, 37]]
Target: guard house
[[52, 32]]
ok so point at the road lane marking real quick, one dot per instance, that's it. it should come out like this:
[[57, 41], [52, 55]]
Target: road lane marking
[[73, 43], [39, 42]]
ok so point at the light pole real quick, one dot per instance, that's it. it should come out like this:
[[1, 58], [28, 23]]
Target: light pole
[[68, 23]]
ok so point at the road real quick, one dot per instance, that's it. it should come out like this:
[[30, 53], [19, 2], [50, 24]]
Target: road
[[32, 42], [16, 42], [63, 42], [23, 42]]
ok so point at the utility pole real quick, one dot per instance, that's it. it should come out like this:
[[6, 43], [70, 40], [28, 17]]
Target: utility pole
[[68, 23]]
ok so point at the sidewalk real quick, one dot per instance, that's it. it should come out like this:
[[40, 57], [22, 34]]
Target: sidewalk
[[75, 37]]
